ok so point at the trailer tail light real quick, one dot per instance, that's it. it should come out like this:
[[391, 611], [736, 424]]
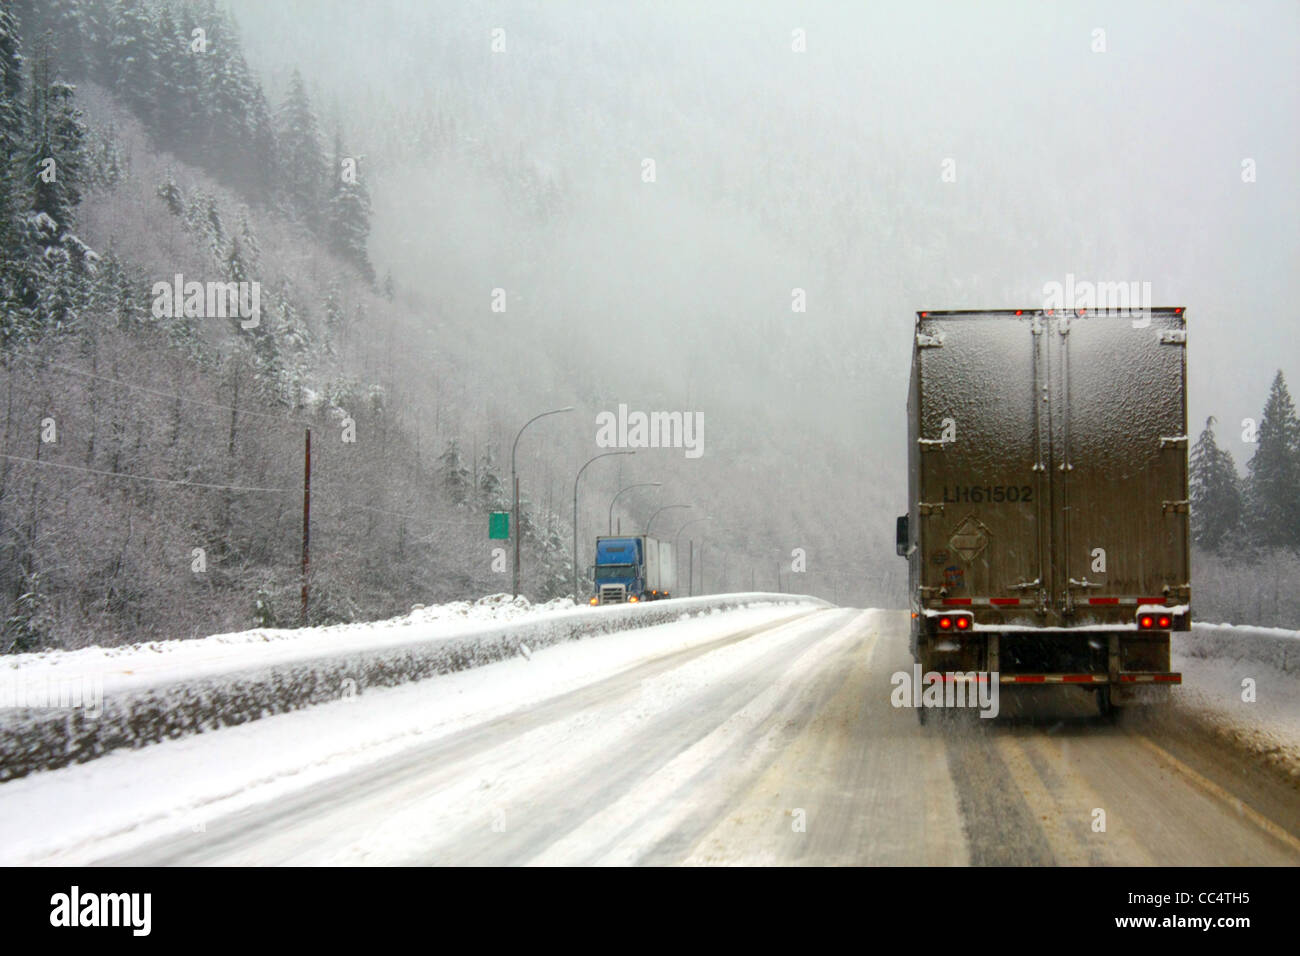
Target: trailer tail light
[[963, 623], [633, 599], [1149, 621], [955, 622]]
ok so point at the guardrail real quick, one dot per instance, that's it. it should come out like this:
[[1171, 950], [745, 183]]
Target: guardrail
[[1276, 647], [45, 738]]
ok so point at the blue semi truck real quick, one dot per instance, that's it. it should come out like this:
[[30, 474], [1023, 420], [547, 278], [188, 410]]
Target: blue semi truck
[[633, 568]]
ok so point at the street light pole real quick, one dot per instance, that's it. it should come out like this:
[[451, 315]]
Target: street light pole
[[575, 514], [514, 482], [661, 511], [644, 484]]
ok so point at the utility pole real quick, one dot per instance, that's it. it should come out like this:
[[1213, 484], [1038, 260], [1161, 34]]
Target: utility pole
[[677, 540], [306, 523]]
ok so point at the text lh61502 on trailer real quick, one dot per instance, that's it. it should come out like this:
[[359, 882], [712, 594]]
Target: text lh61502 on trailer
[[1047, 527]]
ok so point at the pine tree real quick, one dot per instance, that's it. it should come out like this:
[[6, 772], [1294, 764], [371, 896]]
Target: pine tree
[[13, 122], [348, 211], [173, 52], [99, 17], [454, 475], [491, 489], [334, 314], [302, 162], [12, 113], [1217, 502], [189, 134], [57, 161], [66, 20], [1274, 484], [132, 61]]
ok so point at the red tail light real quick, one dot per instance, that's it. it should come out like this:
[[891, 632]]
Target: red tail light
[[955, 622], [1157, 621]]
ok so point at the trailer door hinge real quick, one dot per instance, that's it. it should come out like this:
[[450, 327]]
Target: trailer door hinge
[[929, 508], [1173, 441], [931, 444], [1173, 336], [925, 341], [1178, 507]]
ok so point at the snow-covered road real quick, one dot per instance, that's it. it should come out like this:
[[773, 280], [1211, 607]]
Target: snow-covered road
[[763, 735]]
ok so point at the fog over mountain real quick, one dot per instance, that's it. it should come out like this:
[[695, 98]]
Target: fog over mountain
[[728, 212], [821, 170]]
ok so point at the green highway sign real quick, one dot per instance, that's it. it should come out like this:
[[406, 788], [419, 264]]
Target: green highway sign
[[499, 525]]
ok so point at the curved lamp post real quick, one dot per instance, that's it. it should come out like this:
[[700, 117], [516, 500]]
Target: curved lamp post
[[514, 481], [575, 514], [661, 511], [644, 484]]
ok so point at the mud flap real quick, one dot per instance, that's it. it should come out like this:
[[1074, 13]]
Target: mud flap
[[1128, 695]]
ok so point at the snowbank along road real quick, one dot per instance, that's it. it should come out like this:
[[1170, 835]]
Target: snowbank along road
[[764, 735]]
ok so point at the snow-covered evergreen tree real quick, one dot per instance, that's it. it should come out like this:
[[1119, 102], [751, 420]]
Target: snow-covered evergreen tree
[[453, 475], [1217, 502], [132, 61], [347, 211], [492, 493], [302, 163], [1274, 485]]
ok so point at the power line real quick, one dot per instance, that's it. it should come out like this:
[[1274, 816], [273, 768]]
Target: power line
[[164, 481], [150, 391], [207, 485]]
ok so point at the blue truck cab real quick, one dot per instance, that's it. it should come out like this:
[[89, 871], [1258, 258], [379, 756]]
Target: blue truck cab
[[633, 568]]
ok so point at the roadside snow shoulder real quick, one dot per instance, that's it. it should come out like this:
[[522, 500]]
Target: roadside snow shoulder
[[1242, 684], [171, 689]]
